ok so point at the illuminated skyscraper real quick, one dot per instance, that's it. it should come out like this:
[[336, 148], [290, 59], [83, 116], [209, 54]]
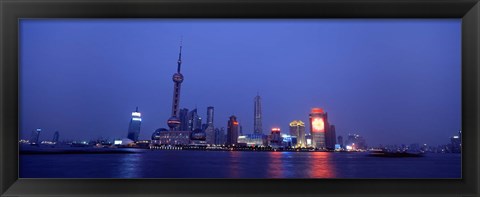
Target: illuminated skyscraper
[[275, 137], [232, 131], [210, 130], [297, 128], [183, 119], [173, 122], [134, 126], [257, 115], [318, 127]]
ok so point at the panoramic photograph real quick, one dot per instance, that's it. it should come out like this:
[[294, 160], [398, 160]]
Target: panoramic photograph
[[240, 98]]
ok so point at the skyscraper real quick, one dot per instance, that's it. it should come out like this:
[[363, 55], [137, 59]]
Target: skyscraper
[[275, 137], [35, 136], [220, 136], [194, 120], [257, 115], [297, 128], [173, 122], [340, 141], [134, 126], [210, 115], [183, 119], [318, 127], [356, 142], [232, 131], [210, 130], [330, 137]]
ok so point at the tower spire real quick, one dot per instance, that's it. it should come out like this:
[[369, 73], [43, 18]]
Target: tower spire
[[180, 55]]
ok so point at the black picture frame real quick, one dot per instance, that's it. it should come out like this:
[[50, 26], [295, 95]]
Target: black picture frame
[[12, 10]]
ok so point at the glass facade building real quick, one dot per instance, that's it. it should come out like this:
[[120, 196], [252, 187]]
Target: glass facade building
[[134, 126], [183, 116]]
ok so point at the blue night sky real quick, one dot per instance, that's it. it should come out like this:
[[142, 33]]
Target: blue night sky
[[391, 81]]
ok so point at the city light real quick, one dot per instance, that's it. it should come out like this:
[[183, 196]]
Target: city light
[[136, 114], [275, 129], [318, 125], [297, 123], [317, 110], [136, 119], [309, 141]]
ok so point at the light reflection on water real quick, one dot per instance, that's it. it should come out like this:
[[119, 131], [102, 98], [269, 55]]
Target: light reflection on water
[[276, 164], [320, 165], [233, 164], [130, 166]]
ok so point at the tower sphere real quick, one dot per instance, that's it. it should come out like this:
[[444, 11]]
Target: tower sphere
[[173, 122], [177, 78]]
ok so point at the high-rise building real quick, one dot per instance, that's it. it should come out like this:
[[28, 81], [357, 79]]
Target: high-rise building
[[355, 142], [232, 131], [210, 130], [35, 136], [220, 136], [134, 126], [173, 122], [194, 120], [318, 126], [257, 115], [183, 119], [210, 113], [275, 137], [330, 138], [56, 136], [297, 128], [340, 141]]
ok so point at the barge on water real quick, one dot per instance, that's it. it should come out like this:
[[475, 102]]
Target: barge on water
[[385, 153]]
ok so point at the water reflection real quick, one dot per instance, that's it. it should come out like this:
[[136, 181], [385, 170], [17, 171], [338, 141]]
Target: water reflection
[[321, 165], [275, 165], [234, 166], [129, 166]]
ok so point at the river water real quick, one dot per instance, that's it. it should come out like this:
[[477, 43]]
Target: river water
[[236, 164]]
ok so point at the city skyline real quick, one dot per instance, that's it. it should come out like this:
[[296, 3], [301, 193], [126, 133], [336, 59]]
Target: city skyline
[[337, 115]]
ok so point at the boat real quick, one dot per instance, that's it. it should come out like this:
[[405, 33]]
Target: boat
[[385, 153]]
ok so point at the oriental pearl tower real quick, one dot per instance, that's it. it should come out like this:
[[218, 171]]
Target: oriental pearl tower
[[173, 122]]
